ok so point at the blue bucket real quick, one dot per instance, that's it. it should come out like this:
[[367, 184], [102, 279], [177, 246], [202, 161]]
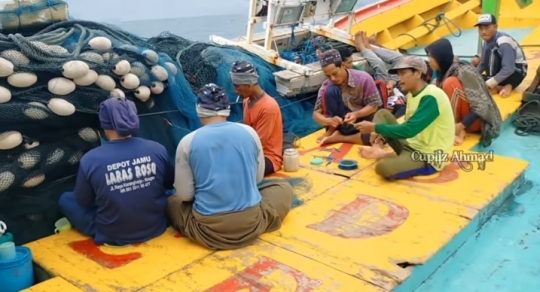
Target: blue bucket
[[17, 274]]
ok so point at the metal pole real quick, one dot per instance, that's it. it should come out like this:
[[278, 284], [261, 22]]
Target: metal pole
[[251, 21], [269, 26]]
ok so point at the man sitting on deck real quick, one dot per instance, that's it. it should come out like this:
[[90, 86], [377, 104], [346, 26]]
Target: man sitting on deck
[[347, 96], [119, 197], [503, 60], [427, 134], [261, 112], [218, 202]]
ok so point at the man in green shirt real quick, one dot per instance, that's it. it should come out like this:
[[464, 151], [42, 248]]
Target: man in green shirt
[[423, 143]]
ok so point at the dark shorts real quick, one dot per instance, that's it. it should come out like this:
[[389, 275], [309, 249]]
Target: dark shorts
[[268, 167]]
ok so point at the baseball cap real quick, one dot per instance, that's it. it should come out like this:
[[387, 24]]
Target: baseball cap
[[410, 62], [486, 19]]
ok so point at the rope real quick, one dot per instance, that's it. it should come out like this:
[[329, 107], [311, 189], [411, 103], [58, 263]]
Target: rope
[[527, 123]]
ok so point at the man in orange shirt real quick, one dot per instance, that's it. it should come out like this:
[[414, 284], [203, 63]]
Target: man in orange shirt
[[261, 112]]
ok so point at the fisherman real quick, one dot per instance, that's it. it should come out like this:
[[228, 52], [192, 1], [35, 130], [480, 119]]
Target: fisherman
[[421, 142], [261, 112], [217, 201], [503, 61], [393, 100], [120, 193], [346, 97], [475, 111]]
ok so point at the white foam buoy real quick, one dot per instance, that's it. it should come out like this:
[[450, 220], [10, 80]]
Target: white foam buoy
[[142, 93], [130, 81], [88, 134], [58, 50], [100, 43], [160, 73], [15, 57], [121, 68], [109, 56], [117, 92], [92, 57], [61, 107], [22, 80], [87, 79], [138, 68], [171, 68], [61, 86], [55, 156], [151, 57], [33, 180], [36, 111], [31, 145], [75, 157], [157, 87], [5, 95], [6, 68], [6, 180], [29, 159], [105, 82], [75, 69], [10, 140]]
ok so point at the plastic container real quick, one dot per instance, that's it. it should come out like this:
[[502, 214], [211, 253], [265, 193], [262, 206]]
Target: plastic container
[[17, 274], [291, 160], [6, 237], [62, 225]]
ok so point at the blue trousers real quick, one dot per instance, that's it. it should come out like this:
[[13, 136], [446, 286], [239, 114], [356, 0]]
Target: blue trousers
[[82, 219]]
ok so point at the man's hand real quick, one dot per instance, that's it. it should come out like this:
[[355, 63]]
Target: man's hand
[[350, 118], [365, 127], [375, 138], [334, 122], [475, 61]]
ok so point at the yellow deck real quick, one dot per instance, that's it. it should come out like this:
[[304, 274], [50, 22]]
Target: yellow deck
[[350, 233]]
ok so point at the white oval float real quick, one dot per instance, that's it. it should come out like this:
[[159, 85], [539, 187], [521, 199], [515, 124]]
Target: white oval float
[[142, 93], [138, 68], [36, 112], [105, 82], [61, 86], [117, 92], [55, 156], [6, 68], [10, 140], [160, 73], [87, 79], [31, 145], [157, 87], [61, 107], [58, 50], [29, 159], [100, 43], [121, 68], [33, 180], [130, 81], [151, 57], [110, 56], [15, 57], [88, 134], [6, 180], [92, 57], [5, 95], [22, 80], [171, 68], [75, 69]]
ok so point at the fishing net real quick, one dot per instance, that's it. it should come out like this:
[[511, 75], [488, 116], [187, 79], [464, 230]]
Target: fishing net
[[51, 85]]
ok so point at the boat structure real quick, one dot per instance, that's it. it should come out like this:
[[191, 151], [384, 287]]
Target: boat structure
[[349, 230]]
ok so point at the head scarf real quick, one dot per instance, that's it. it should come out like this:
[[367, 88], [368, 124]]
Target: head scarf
[[243, 73], [120, 115], [212, 101]]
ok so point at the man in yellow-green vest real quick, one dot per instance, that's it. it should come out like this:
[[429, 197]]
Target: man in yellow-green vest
[[423, 143]]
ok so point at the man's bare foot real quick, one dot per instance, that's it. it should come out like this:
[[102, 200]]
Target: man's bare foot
[[322, 137], [372, 152], [373, 39], [366, 41], [506, 91], [336, 137], [493, 90], [359, 41]]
